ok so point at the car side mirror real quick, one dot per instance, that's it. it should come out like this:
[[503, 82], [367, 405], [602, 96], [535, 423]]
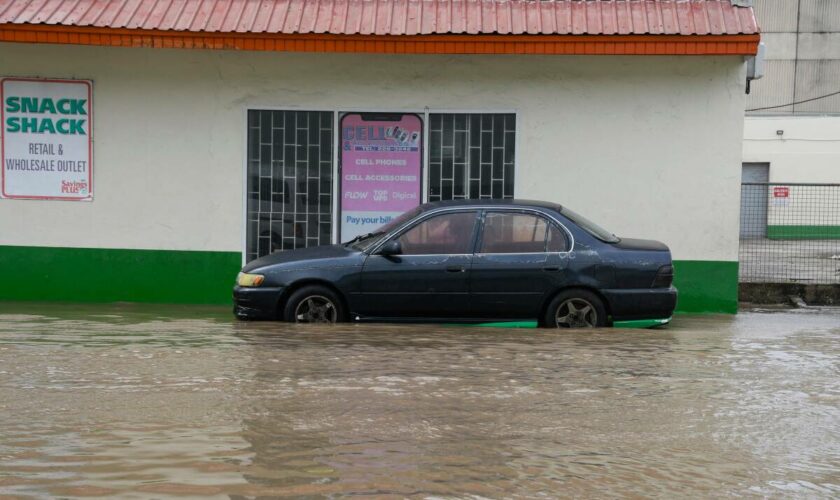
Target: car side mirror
[[393, 247]]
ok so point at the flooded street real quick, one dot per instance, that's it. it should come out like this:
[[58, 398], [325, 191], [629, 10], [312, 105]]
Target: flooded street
[[157, 401]]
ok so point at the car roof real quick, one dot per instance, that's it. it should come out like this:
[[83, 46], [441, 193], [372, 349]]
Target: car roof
[[508, 203]]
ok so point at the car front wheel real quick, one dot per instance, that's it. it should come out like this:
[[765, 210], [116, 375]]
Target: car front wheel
[[576, 309], [313, 304]]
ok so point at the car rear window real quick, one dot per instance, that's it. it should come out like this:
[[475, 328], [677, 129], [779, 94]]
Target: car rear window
[[589, 226]]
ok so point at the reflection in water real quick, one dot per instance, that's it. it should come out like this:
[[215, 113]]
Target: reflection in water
[[156, 401]]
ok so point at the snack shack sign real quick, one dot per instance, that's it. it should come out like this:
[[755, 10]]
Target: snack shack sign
[[47, 144]]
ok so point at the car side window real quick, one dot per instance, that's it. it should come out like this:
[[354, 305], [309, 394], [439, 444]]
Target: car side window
[[557, 241], [513, 233], [442, 234]]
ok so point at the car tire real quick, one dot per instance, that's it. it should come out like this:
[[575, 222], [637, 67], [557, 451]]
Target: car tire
[[576, 309], [314, 304]]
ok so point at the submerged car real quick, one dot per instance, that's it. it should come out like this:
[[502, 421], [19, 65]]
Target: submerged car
[[467, 261]]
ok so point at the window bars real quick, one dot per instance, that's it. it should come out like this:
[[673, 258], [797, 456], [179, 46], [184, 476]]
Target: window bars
[[790, 233], [290, 170], [471, 155]]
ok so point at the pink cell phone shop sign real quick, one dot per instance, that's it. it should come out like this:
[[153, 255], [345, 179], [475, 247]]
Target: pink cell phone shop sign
[[380, 170]]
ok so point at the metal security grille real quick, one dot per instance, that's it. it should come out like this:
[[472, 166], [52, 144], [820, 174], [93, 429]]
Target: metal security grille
[[471, 155], [290, 165], [790, 233]]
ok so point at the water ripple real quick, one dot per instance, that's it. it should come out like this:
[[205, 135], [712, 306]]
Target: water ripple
[[154, 401]]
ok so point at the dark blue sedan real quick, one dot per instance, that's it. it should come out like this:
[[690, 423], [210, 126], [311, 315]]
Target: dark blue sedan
[[467, 261]]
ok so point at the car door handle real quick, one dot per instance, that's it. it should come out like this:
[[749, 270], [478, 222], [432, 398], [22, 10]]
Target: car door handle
[[455, 269], [551, 268]]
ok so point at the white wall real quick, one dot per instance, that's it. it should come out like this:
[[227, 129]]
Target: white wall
[[647, 146], [808, 151]]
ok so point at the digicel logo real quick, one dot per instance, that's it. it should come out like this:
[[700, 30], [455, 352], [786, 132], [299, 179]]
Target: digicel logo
[[44, 106]]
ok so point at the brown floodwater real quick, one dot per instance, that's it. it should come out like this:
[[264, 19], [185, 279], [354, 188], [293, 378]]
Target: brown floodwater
[[158, 401]]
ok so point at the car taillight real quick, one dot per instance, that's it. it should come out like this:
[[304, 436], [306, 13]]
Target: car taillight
[[664, 277]]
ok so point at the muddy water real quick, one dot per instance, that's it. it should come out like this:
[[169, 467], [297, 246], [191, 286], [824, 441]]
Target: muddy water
[[142, 401]]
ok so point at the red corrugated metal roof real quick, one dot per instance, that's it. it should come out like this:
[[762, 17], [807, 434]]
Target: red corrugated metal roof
[[394, 17]]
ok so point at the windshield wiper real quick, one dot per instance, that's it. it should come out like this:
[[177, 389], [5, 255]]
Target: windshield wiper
[[362, 237]]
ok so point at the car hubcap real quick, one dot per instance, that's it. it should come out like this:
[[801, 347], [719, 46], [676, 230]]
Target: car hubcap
[[316, 309], [576, 313]]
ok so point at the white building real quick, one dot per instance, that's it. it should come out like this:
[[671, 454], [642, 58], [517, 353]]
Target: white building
[[214, 131], [792, 127]]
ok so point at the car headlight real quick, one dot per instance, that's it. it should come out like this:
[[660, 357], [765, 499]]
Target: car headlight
[[249, 280]]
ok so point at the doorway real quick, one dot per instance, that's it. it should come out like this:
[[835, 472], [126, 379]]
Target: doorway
[[754, 179]]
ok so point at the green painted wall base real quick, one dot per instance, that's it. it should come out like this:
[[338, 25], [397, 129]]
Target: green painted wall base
[[636, 323], [192, 277], [803, 232], [706, 286], [115, 275], [642, 323]]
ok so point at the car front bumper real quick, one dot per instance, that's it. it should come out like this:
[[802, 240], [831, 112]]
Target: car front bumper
[[643, 303], [256, 303]]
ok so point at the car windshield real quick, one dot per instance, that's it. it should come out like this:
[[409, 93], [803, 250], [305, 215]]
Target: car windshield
[[365, 241], [589, 226]]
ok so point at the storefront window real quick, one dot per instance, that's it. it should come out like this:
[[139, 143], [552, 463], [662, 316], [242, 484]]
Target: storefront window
[[471, 155], [290, 168]]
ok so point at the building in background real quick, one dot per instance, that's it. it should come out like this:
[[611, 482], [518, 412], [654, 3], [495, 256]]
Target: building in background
[[792, 126], [200, 134]]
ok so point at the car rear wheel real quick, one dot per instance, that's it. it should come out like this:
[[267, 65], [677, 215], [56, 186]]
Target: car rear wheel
[[576, 309], [313, 304]]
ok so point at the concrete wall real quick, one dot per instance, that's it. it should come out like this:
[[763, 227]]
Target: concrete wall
[[647, 146], [803, 57]]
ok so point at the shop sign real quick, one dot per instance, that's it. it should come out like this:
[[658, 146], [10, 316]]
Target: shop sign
[[46, 139], [380, 169]]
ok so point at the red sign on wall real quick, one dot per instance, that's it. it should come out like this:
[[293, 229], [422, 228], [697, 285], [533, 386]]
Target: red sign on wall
[[781, 192]]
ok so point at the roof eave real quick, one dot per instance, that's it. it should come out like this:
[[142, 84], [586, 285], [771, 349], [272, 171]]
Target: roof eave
[[745, 45]]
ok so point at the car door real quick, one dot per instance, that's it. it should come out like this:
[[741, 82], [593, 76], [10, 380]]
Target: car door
[[430, 277], [518, 261]]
